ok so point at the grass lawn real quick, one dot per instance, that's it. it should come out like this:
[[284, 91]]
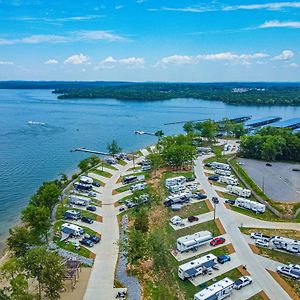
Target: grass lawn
[[122, 162], [84, 213], [98, 181], [135, 169], [257, 297], [57, 227], [295, 284], [266, 216], [226, 195], [124, 188], [292, 234], [171, 174], [283, 257], [108, 166], [193, 209], [217, 183], [101, 173]]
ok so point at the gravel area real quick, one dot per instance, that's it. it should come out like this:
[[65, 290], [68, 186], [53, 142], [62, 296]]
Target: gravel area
[[131, 282]]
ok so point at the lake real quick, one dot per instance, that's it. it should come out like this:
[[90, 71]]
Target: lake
[[31, 154]]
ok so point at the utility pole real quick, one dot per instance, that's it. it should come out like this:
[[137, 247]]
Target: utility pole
[[263, 184]]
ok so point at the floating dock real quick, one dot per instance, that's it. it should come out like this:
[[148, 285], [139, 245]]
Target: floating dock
[[82, 149], [263, 121], [290, 123]]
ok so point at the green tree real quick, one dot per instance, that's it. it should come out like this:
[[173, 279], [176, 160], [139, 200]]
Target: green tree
[[38, 218], [188, 127], [159, 134], [19, 240], [272, 147], [209, 130], [84, 165], [141, 221], [136, 246], [155, 160], [47, 268], [113, 148], [239, 130]]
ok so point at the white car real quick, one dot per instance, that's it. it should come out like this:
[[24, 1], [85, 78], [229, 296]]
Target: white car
[[176, 220], [242, 281], [260, 236], [262, 243]]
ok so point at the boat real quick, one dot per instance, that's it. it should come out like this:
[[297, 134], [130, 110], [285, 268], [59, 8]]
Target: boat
[[36, 123]]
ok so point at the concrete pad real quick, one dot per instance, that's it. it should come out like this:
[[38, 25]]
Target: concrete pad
[[202, 249], [119, 196], [246, 292], [96, 226], [234, 263]]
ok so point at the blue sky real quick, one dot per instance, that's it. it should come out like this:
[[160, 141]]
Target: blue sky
[[150, 40]]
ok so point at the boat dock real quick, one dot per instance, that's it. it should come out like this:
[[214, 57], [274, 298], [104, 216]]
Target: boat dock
[[82, 149], [290, 123], [262, 121]]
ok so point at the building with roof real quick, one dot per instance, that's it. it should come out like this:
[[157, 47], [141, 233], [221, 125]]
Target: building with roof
[[262, 121], [293, 123]]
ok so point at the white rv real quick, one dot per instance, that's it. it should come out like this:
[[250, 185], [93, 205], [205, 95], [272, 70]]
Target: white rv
[[79, 200], [69, 228], [175, 181], [228, 180], [138, 187], [197, 266], [222, 172], [193, 241], [216, 291], [286, 244], [176, 188], [178, 198], [218, 165], [238, 191], [86, 180], [251, 205]]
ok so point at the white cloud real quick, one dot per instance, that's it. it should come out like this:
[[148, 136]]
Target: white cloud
[[51, 62], [294, 65], [131, 62], [76, 59], [6, 63], [285, 55], [117, 7], [46, 19], [278, 24], [223, 56], [77, 36]]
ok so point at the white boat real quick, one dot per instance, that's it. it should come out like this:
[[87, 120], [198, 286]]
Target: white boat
[[35, 123]]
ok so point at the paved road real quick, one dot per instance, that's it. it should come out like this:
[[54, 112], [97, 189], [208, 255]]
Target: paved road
[[260, 276], [101, 282]]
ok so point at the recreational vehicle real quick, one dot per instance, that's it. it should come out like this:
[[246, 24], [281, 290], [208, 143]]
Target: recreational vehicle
[[193, 241], [71, 229], [138, 187], [238, 191], [178, 199], [175, 181], [72, 215], [287, 244], [176, 188], [218, 165], [228, 180], [216, 291], [86, 180], [79, 200], [197, 266], [222, 172], [251, 205]]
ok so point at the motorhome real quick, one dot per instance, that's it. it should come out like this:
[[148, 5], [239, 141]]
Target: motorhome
[[178, 199], [286, 244], [138, 187], [133, 178], [238, 191], [82, 186], [176, 188], [175, 181], [218, 165], [216, 291], [68, 228], [222, 172], [251, 205], [72, 215], [79, 200], [193, 241], [197, 266], [228, 180], [86, 180]]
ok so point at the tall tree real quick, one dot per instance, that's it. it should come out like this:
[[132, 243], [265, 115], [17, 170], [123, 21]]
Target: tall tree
[[19, 240], [136, 246], [209, 130], [155, 160], [113, 148], [188, 127]]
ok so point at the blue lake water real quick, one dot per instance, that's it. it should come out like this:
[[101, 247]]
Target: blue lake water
[[31, 154]]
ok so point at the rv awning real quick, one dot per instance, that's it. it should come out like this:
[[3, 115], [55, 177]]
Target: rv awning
[[209, 264], [191, 272]]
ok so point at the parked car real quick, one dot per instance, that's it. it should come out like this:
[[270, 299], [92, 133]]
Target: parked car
[[199, 196], [213, 177], [268, 165], [215, 200], [193, 219], [230, 201], [287, 271], [91, 208], [92, 194], [96, 184], [95, 239], [223, 258], [217, 241], [146, 168], [87, 220], [189, 179], [176, 220], [241, 282], [262, 243], [260, 236], [122, 208], [86, 242]]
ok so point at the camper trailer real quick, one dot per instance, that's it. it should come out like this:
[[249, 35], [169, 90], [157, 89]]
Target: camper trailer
[[79, 200], [197, 266], [175, 181], [68, 228], [193, 241], [218, 165], [251, 205], [216, 291], [286, 244], [178, 199], [238, 191], [86, 180], [138, 187], [176, 188], [72, 215], [228, 180], [222, 172]]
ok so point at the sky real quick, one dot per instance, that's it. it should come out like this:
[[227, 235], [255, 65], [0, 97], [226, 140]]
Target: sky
[[150, 40]]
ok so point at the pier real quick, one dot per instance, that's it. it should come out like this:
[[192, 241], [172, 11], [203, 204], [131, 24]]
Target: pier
[[82, 149], [263, 121]]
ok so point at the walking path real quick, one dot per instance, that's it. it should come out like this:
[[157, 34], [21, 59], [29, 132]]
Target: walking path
[[101, 282], [231, 223]]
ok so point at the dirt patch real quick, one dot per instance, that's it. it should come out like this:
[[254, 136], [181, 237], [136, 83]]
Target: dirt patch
[[210, 207], [243, 271], [114, 192], [202, 191], [92, 255], [99, 219], [119, 179], [220, 226], [284, 285], [263, 295], [254, 249], [116, 204], [207, 174], [227, 205], [230, 248], [80, 287]]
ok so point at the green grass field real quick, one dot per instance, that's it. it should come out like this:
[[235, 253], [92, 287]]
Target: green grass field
[[189, 210], [101, 173]]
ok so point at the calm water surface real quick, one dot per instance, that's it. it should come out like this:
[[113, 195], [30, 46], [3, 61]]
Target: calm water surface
[[31, 154]]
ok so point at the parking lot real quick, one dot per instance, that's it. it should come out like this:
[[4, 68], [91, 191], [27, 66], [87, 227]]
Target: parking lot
[[278, 181]]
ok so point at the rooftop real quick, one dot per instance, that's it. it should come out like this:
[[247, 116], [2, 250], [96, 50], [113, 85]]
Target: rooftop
[[293, 123], [262, 121]]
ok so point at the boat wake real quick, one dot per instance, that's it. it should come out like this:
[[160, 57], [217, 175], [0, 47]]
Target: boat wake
[[36, 123]]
